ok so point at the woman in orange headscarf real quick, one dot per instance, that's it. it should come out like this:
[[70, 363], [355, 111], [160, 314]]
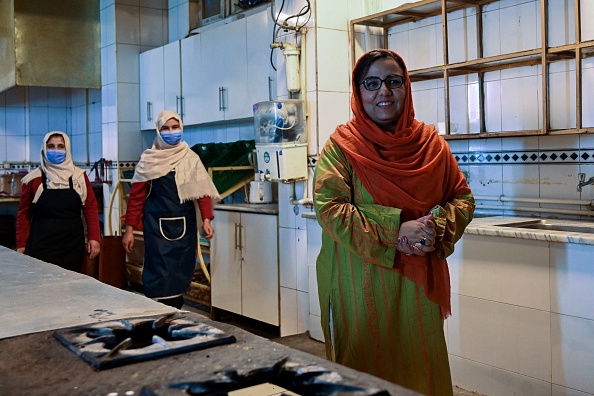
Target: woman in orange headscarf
[[392, 202]]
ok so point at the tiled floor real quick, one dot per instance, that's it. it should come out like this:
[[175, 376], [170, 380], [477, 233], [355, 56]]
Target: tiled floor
[[302, 342]]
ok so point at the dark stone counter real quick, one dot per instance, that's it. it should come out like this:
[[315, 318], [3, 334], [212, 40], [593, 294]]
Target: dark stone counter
[[38, 364]]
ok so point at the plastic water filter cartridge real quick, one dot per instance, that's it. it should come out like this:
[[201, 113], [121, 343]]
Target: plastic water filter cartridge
[[291, 53]]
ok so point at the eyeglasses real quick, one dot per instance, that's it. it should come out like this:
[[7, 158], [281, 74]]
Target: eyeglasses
[[393, 81]]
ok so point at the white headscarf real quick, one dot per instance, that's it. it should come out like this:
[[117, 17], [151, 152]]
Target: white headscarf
[[58, 174], [191, 177]]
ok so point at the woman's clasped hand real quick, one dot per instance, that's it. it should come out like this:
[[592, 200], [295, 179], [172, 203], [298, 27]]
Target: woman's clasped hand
[[417, 236]]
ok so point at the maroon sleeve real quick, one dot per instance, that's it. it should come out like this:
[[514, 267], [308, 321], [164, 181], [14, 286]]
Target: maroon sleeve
[[205, 204], [23, 222], [91, 213], [135, 205]]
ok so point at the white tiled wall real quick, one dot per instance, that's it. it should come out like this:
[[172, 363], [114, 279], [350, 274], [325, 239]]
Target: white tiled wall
[[28, 113]]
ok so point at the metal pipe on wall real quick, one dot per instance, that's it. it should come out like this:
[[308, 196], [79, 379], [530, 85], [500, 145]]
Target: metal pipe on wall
[[502, 198], [540, 210]]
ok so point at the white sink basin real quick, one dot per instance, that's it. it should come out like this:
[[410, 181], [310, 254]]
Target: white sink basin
[[544, 224]]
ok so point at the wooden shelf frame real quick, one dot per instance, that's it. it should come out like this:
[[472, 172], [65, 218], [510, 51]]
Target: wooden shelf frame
[[413, 12]]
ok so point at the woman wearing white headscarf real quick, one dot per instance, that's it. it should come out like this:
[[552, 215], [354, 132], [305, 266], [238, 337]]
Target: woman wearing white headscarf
[[49, 221], [171, 195]]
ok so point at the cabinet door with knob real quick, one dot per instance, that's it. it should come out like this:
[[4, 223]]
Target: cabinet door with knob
[[244, 266]]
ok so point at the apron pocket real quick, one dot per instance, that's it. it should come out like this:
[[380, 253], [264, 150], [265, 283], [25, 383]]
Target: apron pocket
[[172, 228]]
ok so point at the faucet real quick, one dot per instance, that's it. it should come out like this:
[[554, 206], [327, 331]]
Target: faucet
[[582, 183]]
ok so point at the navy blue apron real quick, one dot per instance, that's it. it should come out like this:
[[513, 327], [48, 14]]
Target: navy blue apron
[[57, 232], [170, 240]]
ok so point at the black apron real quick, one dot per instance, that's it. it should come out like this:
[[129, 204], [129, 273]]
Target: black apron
[[170, 240], [57, 232]]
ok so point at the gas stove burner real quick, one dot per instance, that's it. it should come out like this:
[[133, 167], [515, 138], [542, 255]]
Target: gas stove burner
[[310, 380], [110, 344]]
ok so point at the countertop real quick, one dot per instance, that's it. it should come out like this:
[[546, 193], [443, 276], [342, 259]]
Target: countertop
[[491, 226], [309, 215], [270, 208], [37, 298]]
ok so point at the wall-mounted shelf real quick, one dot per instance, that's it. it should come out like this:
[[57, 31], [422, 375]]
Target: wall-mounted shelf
[[479, 58]]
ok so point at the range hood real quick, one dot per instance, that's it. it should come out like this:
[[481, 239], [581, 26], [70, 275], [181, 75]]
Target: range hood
[[50, 43]]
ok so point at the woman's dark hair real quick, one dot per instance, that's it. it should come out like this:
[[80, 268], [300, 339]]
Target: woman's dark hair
[[368, 59], [56, 135]]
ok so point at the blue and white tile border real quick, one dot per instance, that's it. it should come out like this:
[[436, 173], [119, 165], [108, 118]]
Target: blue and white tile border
[[558, 156]]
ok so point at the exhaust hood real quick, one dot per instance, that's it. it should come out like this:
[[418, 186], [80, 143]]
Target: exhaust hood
[[50, 43]]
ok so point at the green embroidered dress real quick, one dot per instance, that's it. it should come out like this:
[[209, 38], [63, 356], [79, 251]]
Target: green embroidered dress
[[374, 319]]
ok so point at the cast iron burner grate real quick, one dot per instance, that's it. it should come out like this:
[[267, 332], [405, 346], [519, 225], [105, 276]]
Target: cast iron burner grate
[[310, 380], [110, 344]]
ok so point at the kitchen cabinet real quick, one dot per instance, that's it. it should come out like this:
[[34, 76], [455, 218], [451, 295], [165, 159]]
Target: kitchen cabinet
[[160, 83], [215, 75], [152, 94], [261, 77], [244, 265], [191, 58], [486, 55], [223, 74], [226, 69]]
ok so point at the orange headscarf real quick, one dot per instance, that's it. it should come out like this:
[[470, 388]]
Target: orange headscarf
[[411, 169]]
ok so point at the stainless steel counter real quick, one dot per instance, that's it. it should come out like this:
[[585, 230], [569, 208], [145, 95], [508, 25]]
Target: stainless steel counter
[[271, 208], [37, 296], [492, 226]]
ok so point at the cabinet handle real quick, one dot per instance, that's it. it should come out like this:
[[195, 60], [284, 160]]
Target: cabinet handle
[[220, 98], [240, 237], [181, 107], [148, 111], [236, 237], [270, 88], [223, 101], [177, 105]]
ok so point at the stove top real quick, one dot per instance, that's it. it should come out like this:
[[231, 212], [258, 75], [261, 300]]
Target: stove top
[[110, 344], [282, 378]]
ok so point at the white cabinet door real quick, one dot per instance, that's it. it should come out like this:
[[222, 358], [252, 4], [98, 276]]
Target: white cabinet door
[[151, 87], [172, 77], [260, 285], [233, 55], [244, 266], [191, 58], [223, 73], [209, 102], [260, 80], [225, 267]]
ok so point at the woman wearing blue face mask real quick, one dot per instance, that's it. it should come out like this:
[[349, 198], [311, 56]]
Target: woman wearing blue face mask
[[49, 221], [170, 196]]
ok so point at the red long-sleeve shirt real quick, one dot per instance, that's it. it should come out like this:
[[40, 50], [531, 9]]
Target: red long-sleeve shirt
[[23, 224], [135, 206]]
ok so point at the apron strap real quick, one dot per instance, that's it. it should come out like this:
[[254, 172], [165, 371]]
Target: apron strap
[[44, 179]]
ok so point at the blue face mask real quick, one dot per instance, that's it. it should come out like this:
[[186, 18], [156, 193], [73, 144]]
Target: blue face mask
[[172, 137], [56, 156]]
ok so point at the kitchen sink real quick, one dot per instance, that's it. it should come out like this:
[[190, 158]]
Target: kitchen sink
[[550, 226]]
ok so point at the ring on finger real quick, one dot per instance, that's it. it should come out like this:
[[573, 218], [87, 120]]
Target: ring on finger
[[423, 241]]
